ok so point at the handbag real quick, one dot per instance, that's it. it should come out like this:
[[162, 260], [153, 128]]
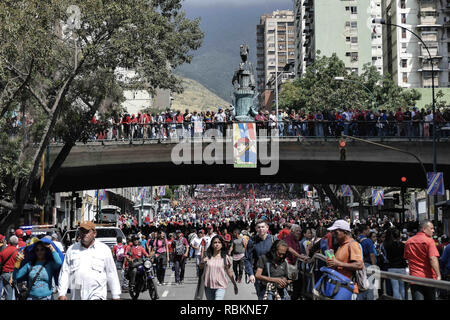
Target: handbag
[[292, 271], [23, 292]]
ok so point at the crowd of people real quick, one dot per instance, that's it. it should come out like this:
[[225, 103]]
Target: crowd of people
[[265, 236], [357, 122]]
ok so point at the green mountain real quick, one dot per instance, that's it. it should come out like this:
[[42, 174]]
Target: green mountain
[[227, 24]]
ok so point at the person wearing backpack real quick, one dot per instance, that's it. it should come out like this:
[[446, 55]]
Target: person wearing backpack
[[256, 247], [180, 253], [118, 252], [369, 257], [348, 257]]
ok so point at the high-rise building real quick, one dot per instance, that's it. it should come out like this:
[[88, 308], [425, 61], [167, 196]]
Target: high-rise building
[[405, 56], [341, 27], [275, 44]]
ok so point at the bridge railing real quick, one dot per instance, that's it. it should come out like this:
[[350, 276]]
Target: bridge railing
[[407, 130], [309, 280]]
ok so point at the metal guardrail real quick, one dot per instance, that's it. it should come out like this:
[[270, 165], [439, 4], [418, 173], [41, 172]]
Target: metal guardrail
[[408, 279], [290, 128]]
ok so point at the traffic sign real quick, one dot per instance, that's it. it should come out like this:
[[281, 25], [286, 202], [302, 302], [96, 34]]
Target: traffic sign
[[435, 184]]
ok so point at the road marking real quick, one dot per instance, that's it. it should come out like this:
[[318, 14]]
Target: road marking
[[165, 293]]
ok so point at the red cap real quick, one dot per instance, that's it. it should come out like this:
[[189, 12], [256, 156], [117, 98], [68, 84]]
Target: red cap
[[19, 233], [28, 232], [2, 237]]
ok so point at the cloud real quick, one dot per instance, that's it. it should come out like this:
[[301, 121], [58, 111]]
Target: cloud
[[233, 3]]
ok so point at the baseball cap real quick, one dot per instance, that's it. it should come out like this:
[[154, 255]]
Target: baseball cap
[[2, 237], [28, 232], [340, 224], [87, 225], [19, 233]]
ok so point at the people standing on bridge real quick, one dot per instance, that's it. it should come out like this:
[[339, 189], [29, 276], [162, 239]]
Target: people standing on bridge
[[258, 246], [88, 268], [422, 256], [217, 265], [180, 254]]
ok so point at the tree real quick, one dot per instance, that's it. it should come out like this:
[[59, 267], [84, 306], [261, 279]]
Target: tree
[[318, 89], [56, 74]]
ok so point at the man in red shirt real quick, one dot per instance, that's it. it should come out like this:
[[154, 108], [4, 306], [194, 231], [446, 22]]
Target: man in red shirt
[[19, 234], [134, 256], [422, 256], [294, 253], [8, 258]]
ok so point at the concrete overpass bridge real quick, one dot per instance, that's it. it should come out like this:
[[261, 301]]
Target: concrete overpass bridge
[[316, 161]]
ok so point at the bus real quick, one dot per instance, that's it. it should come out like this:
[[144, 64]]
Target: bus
[[110, 214], [149, 211], [164, 204]]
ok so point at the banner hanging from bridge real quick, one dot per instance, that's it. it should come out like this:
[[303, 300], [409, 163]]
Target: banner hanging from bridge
[[346, 191], [377, 197], [244, 145], [435, 185]]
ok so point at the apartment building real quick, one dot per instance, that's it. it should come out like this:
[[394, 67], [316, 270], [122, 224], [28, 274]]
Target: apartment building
[[405, 56], [343, 27], [275, 45]]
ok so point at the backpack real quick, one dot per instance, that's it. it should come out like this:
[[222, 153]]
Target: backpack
[[334, 285], [120, 253], [180, 248], [360, 275]]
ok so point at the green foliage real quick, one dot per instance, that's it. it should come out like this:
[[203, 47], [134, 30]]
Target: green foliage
[[318, 89], [60, 77]]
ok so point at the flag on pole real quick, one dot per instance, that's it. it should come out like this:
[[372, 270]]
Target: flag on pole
[[346, 191], [142, 193], [244, 145], [162, 191], [377, 197], [101, 195], [435, 183]]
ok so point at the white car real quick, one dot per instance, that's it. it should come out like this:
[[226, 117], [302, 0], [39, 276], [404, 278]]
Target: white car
[[108, 235]]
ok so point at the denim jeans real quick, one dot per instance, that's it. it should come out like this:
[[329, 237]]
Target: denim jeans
[[281, 129], [285, 296], [197, 262], [41, 298], [214, 294], [180, 264], [423, 293], [398, 286], [8, 288], [260, 289]]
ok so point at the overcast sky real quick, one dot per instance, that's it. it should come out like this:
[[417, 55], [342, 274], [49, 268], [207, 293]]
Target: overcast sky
[[234, 3]]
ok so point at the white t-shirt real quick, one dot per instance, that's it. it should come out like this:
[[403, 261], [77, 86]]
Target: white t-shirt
[[197, 243]]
